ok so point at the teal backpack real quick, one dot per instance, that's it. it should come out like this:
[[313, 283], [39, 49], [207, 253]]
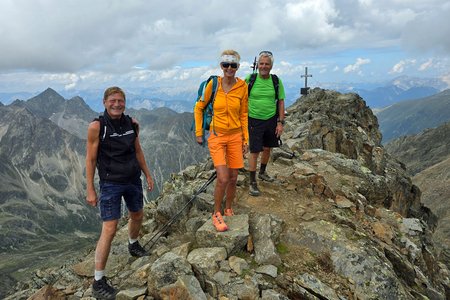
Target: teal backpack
[[208, 112]]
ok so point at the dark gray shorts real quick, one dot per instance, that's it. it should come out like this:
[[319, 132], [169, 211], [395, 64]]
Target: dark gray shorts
[[262, 134]]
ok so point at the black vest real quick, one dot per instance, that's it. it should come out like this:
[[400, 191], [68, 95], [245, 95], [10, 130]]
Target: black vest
[[116, 157]]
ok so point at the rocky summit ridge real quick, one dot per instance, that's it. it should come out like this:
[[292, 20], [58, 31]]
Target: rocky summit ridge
[[341, 221], [427, 158]]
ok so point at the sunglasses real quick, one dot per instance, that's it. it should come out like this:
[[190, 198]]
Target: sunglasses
[[225, 65], [265, 53]]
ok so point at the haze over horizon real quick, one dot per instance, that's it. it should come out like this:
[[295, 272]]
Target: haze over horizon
[[168, 47]]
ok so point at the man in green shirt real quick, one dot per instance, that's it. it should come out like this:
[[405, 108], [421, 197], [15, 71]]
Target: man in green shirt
[[265, 117]]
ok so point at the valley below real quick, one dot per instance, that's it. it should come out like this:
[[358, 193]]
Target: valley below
[[22, 264]]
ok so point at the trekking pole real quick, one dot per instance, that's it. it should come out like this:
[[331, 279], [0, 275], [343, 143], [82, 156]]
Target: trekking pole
[[166, 226], [255, 65], [291, 154]]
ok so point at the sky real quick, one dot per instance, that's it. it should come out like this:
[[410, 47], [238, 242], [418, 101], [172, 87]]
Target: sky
[[170, 46]]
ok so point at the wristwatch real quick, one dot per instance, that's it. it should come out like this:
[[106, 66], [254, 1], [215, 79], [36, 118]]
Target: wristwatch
[[281, 121]]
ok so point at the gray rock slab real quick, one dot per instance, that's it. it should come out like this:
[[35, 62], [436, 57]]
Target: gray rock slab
[[131, 294], [206, 260], [233, 240], [270, 270]]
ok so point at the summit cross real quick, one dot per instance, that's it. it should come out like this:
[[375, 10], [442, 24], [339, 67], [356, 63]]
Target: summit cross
[[304, 91]]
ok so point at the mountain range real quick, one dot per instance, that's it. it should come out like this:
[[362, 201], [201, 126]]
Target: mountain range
[[377, 95], [41, 192], [399, 89], [413, 116], [137, 98]]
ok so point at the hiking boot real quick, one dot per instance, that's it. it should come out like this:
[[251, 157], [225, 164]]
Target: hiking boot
[[253, 190], [266, 177], [137, 250], [102, 290], [218, 222], [228, 212]]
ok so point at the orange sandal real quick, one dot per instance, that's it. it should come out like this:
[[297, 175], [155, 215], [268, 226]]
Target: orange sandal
[[228, 212], [218, 222]]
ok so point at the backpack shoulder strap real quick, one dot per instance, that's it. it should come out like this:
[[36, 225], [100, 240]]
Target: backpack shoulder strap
[[251, 82], [276, 85], [275, 82], [102, 133], [134, 125], [215, 85]]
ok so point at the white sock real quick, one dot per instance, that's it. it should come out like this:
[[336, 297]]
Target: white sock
[[99, 274], [132, 241]]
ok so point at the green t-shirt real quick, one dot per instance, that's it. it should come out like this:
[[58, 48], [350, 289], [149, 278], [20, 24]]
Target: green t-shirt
[[261, 101]]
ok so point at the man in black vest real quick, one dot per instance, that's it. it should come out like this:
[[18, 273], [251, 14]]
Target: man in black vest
[[113, 147]]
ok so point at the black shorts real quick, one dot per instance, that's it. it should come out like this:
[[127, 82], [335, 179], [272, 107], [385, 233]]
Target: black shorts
[[262, 134]]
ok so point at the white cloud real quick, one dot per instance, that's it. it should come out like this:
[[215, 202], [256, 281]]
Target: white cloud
[[356, 67], [401, 65], [446, 79], [315, 21], [426, 65]]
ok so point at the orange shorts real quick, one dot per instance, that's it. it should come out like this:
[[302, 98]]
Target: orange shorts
[[226, 150]]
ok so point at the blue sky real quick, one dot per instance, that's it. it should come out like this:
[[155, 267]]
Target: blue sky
[[170, 46]]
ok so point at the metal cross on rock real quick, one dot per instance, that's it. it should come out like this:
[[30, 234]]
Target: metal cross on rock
[[304, 91]]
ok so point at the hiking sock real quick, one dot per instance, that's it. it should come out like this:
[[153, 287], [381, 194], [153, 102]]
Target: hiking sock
[[262, 169], [99, 274], [132, 241], [252, 176]]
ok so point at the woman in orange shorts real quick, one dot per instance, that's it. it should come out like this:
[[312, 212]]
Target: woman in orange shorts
[[228, 141]]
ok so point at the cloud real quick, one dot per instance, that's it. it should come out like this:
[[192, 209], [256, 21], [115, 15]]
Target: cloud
[[426, 65], [356, 66], [68, 36], [429, 31], [88, 43], [446, 79], [401, 65]]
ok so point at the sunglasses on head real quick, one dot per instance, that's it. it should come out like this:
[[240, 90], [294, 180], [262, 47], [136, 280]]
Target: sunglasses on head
[[232, 65], [265, 53]]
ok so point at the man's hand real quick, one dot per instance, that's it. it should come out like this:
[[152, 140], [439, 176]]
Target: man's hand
[[199, 140], [150, 183], [279, 129], [91, 197]]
